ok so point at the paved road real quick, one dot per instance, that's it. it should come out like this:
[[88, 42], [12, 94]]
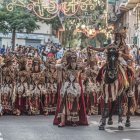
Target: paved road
[[41, 128]]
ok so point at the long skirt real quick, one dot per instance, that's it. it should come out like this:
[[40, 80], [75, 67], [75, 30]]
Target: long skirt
[[79, 118]]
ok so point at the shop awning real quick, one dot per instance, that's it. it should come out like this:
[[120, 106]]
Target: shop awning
[[132, 3]]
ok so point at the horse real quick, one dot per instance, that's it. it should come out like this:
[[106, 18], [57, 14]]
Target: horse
[[114, 88]]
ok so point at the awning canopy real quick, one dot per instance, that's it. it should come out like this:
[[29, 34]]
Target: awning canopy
[[129, 4], [132, 3]]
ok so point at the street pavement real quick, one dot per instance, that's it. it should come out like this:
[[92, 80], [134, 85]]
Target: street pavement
[[42, 128]]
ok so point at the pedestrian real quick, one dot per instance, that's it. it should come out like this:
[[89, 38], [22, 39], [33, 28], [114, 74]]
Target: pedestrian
[[3, 49]]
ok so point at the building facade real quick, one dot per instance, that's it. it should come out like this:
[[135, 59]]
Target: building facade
[[128, 14], [36, 38]]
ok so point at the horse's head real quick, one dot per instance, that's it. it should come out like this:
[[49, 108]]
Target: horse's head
[[112, 61]]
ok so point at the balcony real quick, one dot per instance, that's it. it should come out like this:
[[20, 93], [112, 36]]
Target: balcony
[[132, 3], [126, 5], [122, 5]]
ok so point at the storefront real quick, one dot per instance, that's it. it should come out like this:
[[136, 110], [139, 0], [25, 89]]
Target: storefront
[[32, 42], [26, 39]]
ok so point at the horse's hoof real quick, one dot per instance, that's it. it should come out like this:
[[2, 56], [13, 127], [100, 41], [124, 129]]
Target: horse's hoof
[[110, 122], [120, 127], [127, 124], [101, 127]]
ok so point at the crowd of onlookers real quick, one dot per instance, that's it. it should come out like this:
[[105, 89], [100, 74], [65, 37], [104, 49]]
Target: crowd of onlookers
[[51, 49], [135, 52]]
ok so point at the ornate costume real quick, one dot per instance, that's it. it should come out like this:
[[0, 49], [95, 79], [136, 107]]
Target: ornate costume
[[137, 92], [50, 94], [29, 63], [70, 106], [7, 90], [36, 88], [92, 88], [22, 91]]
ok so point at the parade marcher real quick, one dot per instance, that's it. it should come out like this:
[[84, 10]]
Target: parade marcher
[[71, 105], [137, 90], [116, 74], [90, 84], [7, 87], [22, 87], [29, 62], [1, 82], [124, 56], [36, 87], [1, 64], [50, 95]]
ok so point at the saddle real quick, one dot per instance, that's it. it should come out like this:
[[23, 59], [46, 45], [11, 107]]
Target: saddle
[[128, 73], [109, 80], [103, 75]]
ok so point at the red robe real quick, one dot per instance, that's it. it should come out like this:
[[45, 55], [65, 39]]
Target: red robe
[[82, 112]]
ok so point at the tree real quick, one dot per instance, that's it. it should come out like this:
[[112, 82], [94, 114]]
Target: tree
[[93, 17], [102, 38], [55, 22], [19, 20]]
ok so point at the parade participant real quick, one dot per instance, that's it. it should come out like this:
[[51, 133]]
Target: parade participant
[[1, 64], [124, 56], [15, 62], [29, 62], [91, 87], [116, 74], [36, 87], [137, 89], [71, 105], [50, 96], [7, 87], [22, 87]]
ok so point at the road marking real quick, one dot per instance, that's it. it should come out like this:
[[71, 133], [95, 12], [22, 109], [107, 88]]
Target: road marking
[[1, 136], [109, 131], [94, 122], [125, 130], [126, 139]]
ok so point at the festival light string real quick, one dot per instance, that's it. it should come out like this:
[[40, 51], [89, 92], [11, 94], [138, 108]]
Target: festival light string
[[39, 7]]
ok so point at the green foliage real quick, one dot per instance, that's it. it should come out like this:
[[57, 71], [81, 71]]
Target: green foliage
[[22, 19], [56, 24], [19, 20], [101, 37], [92, 18]]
